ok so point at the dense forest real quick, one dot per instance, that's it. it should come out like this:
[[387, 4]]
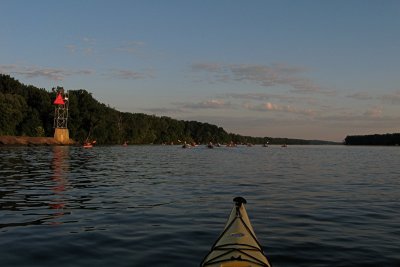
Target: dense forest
[[373, 140], [28, 111]]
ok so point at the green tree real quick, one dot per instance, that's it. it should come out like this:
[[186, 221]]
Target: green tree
[[13, 111], [30, 123]]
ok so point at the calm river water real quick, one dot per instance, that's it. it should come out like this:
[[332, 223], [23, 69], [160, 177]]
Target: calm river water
[[165, 206]]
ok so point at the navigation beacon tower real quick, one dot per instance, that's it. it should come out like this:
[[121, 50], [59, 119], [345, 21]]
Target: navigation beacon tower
[[61, 133]]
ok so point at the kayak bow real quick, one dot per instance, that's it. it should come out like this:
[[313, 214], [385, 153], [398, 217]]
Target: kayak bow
[[237, 246]]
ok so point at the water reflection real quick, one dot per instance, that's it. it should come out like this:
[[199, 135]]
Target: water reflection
[[60, 167], [33, 185]]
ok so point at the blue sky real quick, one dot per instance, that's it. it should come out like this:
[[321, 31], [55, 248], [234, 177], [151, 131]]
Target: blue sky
[[298, 69]]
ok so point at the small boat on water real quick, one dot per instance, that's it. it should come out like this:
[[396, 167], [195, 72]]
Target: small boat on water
[[210, 145], [186, 145], [237, 246], [231, 144], [88, 144]]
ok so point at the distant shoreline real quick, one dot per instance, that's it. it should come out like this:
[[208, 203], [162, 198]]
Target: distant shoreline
[[30, 141], [9, 140]]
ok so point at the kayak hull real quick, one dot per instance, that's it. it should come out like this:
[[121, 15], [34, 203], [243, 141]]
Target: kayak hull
[[237, 246]]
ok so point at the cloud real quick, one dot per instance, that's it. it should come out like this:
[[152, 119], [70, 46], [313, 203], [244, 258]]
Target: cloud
[[264, 75], [374, 113], [85, 46], [54, 74], [361, 96], [132, 47], [389, 98], [392, 98], [131, 74], [71, 48], [266, 96], [268, 106], [85, 72], [89, 40], [185, 107], [211, 67], [7, 68], [209, 104]]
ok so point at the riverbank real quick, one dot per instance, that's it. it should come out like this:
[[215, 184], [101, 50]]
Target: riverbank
[[30, 141]]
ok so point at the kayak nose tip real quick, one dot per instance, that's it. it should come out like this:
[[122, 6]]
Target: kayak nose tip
[[239, 201]]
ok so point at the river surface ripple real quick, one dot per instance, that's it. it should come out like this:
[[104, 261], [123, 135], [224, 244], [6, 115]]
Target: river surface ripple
[[165, 206]]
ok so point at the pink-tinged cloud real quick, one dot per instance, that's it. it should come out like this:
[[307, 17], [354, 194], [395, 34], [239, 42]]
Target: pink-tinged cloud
[[269, 97], [374, 113], [268, 106]]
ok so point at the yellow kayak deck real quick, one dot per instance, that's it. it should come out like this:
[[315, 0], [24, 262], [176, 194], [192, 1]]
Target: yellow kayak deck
[[237, 246]]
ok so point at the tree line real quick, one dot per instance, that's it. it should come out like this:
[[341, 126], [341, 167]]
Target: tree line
[[28, 111], [373, 140]]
